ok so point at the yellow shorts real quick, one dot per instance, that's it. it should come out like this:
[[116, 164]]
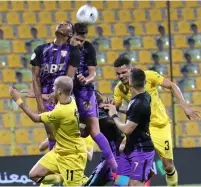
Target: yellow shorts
[[162, 140], [70, 166]]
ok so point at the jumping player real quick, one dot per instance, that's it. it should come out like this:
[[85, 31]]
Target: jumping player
[[137, 158], [85, 95], [160, 124], [50, 61], [66, 162]]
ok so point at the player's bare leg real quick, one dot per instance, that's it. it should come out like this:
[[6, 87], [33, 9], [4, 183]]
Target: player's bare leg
[[171, 172], [92, 126], [43, 175]]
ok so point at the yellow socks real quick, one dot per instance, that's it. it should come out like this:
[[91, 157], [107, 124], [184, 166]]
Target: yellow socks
[[172, 178]]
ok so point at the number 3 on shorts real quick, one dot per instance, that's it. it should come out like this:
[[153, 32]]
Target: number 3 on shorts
[[69, 172], [167, 146]]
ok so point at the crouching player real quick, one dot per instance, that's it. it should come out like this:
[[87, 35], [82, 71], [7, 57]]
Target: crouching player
[[64, 164], [136, 160]]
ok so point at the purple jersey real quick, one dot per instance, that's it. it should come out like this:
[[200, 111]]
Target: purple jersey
[[88, 58], [139, 111], [84, 94], [54, 61]]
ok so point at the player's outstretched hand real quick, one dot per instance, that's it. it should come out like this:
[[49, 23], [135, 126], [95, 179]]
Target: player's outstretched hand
[[52, 99], [192, 114], [82, 79], [111, 109], [28, 93], [109, 101], [14, 93]]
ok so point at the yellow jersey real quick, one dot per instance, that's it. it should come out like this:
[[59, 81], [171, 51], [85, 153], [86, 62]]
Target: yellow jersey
[[159, 116], [65, 121], [89, 142]]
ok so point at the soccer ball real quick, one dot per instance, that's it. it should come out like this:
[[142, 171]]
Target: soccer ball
[[87, 14]]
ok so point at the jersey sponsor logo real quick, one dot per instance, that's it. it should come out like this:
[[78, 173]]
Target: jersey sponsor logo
[[87, 105], [64, 53], [33, 56], [53, 68]]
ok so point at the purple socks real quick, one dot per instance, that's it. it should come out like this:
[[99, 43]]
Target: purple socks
[[107, 152], [51, 144]]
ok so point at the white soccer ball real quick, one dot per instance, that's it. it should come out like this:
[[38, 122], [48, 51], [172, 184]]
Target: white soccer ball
[[87, 14]]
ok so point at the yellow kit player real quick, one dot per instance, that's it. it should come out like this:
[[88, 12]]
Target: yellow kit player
[[65, 164], [160, 128]]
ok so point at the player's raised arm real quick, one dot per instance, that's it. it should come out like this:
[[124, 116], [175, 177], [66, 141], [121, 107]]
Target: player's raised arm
[[166, 83], [37, 88], [74, 61], [17, 98], [91, 63], [35, 61]]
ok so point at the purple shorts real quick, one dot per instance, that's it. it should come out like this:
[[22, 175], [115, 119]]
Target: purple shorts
[[86, 103], [135, 165]]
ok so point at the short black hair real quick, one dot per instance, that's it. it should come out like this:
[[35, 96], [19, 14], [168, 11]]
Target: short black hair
[[28, 44], [18, 73], [131, 27], [186, 55], [191, 40], [160, 27], [126, 42], [193, 25], [81, 28], [122, 60], [137, 78], [154, 55], [34, 29]]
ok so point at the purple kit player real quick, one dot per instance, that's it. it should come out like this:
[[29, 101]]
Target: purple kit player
[[102, 175], [50, 61], [85, 95], [136, 160]]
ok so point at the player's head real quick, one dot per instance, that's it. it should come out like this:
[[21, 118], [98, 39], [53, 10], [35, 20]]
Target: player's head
[[63, 86], [122, 68], [194, 28], [159, 43], [81, 31], [65, 28], [1, 34], [155, 58], [137, 79], [187, 57], [161, 30], [99, 97], [34, 32], [191, 43], [19, 77]]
